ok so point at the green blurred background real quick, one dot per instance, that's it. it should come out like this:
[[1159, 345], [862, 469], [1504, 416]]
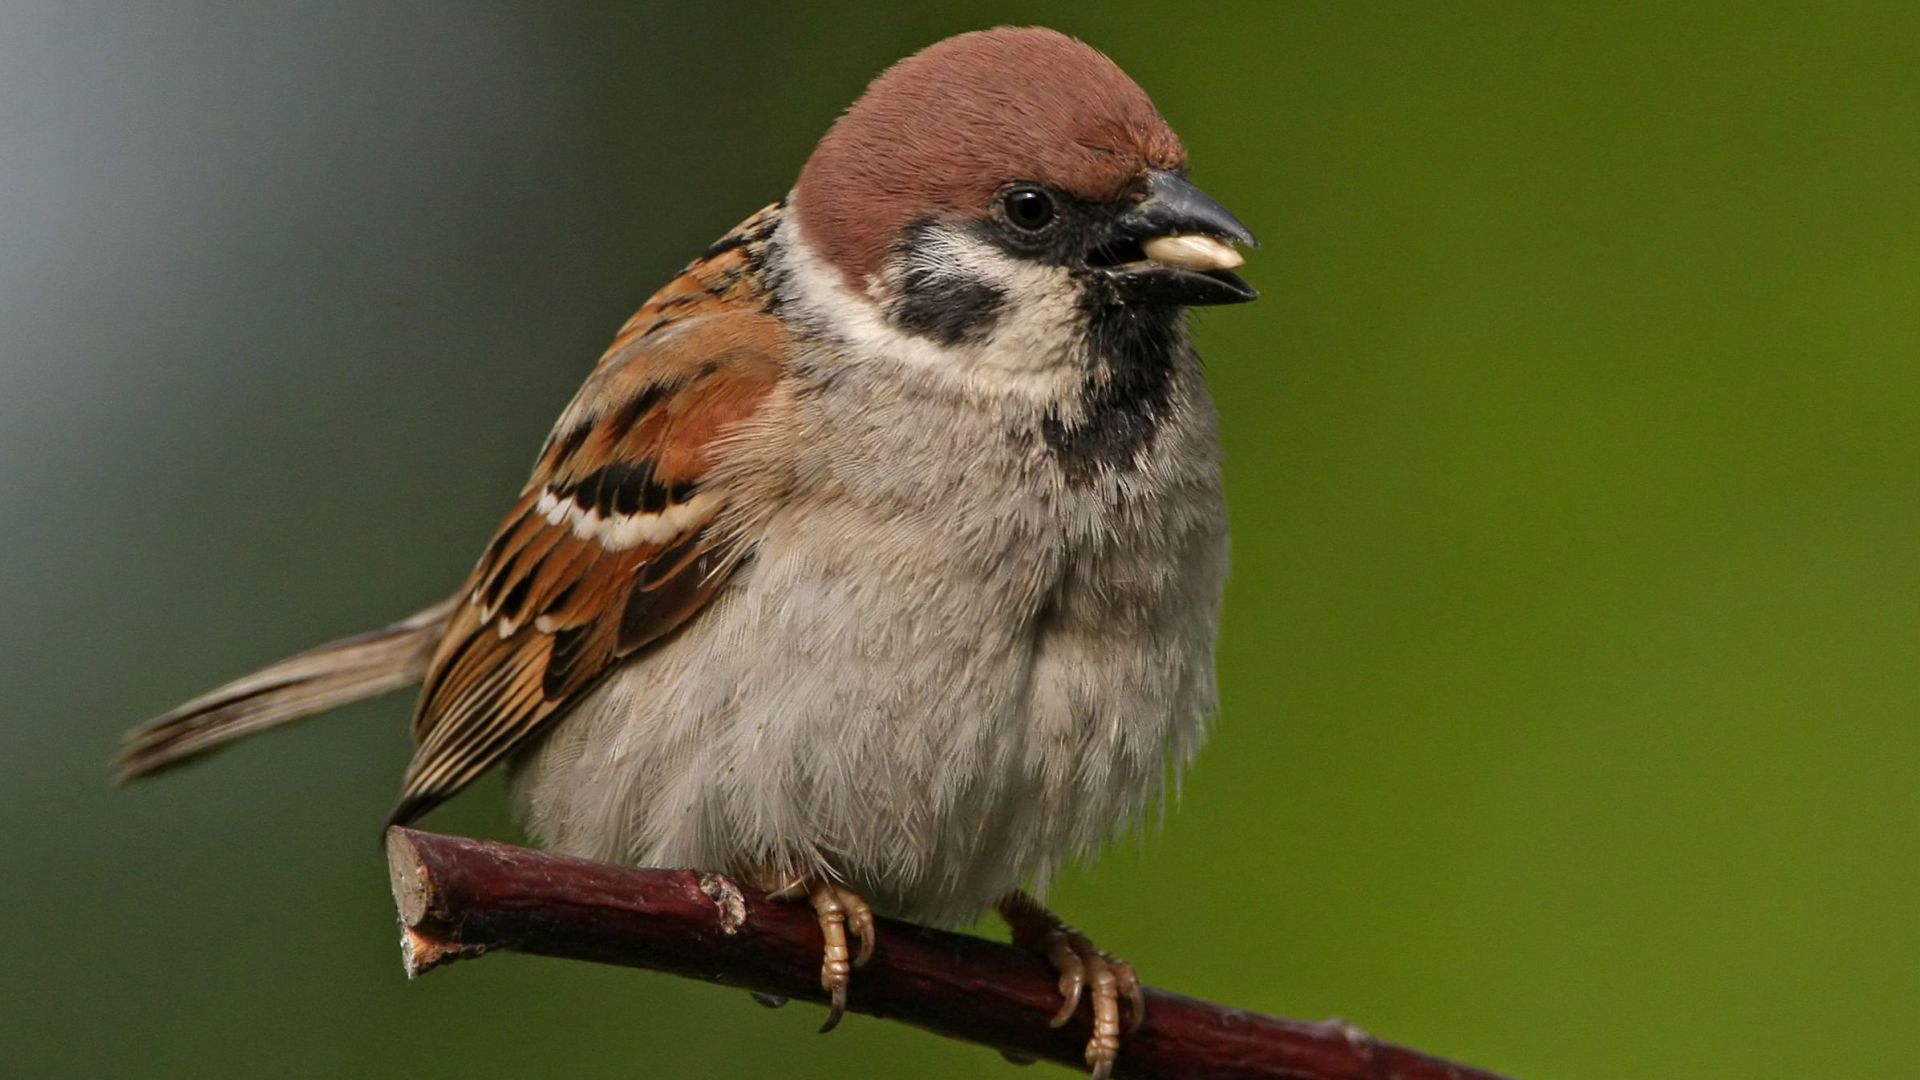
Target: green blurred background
[[1569, 661]]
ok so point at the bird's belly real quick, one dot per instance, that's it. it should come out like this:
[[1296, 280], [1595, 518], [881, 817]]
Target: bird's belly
[[933, 742]]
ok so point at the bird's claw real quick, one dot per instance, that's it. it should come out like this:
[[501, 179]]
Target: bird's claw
[[1085, 971], [840, 911]]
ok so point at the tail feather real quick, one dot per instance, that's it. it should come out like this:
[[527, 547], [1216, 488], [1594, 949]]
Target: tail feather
[[319, 679]]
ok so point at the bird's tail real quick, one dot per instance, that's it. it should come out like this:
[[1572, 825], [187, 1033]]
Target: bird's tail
[[314, 681]]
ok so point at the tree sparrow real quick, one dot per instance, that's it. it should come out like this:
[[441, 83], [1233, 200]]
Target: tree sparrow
[[878, 561]]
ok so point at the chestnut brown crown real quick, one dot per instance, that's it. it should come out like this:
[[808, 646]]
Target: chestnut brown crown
[[941, 132]]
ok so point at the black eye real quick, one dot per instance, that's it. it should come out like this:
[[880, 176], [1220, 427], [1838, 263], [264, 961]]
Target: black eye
[[1028, 209]]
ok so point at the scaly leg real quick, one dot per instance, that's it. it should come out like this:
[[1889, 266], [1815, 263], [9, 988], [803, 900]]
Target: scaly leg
[[840, 911], [1081, 965]]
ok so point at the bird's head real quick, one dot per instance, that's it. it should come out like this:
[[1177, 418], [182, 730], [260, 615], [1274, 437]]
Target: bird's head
[[1001, 188]]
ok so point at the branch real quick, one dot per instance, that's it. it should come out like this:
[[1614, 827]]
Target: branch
[[460, 898]]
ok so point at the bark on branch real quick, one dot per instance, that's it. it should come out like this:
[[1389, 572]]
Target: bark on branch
[[460, 898]]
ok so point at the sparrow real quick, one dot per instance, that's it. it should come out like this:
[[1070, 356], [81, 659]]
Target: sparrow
[[878, 561]]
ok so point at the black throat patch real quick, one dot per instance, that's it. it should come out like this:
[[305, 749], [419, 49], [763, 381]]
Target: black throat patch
[[1126, 393]]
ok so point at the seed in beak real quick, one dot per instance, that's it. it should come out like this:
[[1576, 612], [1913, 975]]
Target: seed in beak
[[1191, 252]]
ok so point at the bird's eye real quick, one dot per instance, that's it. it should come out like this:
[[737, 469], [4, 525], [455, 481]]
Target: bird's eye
[[1028, 209]]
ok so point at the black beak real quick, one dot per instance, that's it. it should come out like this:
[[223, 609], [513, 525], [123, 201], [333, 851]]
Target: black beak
[[1174, 207]]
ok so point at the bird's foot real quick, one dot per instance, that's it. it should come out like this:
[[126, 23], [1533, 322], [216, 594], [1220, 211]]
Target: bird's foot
[[841, 911], [1085, 970]]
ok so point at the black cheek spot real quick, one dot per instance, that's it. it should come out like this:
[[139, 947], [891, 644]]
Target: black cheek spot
[[949, 310], [941, 303]]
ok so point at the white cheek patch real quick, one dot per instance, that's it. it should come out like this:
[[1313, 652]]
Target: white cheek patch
[[1033, 353], [1044, 327], [618, 532]]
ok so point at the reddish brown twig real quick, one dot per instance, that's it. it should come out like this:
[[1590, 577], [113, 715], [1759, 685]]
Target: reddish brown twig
[[460, 897]]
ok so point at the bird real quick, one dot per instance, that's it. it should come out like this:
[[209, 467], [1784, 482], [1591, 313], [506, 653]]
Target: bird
[[878, 561]]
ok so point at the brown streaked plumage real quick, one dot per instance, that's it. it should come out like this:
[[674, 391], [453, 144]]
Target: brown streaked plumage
[[692, 364], [548, 610], [945, 128]]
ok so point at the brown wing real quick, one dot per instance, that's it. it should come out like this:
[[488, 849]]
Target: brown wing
[[613, 542]]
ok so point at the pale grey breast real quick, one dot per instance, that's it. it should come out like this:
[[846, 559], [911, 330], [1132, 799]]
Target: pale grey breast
[[947, 673]]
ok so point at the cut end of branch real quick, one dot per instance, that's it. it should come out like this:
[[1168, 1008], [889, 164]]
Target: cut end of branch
[[407, 873], [423, 944]]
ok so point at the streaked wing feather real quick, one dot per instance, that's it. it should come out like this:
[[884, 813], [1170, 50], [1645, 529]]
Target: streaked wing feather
[[616, 540]]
